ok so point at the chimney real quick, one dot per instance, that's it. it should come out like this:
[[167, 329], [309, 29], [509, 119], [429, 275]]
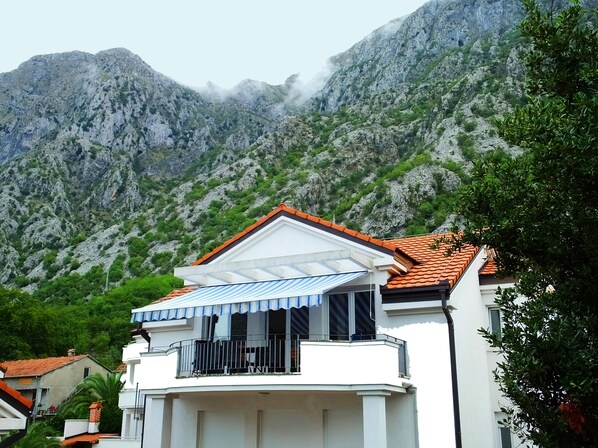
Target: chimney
[[95, 412], [70, 352]]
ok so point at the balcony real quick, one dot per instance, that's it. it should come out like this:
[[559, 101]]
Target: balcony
[[253, 355], [384, 356], [118, 442]]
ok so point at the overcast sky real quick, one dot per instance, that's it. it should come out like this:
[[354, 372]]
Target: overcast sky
[[194, 41]]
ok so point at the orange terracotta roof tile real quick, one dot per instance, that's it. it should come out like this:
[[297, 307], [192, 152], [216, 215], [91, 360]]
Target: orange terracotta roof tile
[[489, 268], [85, 438], [35, 367], [16, 394], [175, 293], [281, 209], [432, 266]]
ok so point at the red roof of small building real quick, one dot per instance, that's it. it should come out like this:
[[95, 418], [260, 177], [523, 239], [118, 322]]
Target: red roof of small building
[[37, 367], [16, 394], [432, 265], [85, 438]]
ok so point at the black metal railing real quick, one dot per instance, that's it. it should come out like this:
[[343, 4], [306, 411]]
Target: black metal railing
[[229, 356], [260, 354]]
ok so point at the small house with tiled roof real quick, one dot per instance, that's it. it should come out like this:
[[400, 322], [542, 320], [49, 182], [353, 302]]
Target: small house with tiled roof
[[50, 381], [301, 332]]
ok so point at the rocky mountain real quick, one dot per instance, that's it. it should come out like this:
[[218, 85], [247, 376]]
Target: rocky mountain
[[420, 46], [108, 166]]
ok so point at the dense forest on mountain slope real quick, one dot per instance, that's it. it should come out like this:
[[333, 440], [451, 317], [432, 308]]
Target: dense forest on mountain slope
[[111, 171], [32, 328]]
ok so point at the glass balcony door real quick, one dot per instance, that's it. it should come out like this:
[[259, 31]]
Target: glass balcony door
[[351, 315]]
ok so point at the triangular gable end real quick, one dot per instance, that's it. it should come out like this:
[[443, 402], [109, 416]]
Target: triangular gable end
[[317, 224], [286, 236], [288, 243], [13, 406]]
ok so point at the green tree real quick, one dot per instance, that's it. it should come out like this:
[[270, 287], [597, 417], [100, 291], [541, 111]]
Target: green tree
[[539, 211], [39, 435], [96, 387], [26, 328]]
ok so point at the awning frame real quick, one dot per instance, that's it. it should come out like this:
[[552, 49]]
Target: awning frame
[[246, 297]]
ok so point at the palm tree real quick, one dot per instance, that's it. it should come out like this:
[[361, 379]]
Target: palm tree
[[96, 387]]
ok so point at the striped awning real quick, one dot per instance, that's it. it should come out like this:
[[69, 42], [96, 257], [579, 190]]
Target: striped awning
[[245, 297]]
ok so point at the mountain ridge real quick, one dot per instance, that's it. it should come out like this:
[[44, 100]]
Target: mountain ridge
[[127, 171]]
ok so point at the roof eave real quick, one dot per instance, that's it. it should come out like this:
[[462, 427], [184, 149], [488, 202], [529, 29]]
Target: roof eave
[[415, 293]]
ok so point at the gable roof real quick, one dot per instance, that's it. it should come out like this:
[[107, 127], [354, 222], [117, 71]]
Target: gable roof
[[11, 395], [426, 266], [37, 367], [432, 266], [285, 210]]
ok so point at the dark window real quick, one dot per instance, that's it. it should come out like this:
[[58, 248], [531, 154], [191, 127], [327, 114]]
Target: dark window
[[351, 316], [505, 437], [365, 317], [495, 324], [338, 316], [238, 326], [85, 372], [300, 322], [277, 324]]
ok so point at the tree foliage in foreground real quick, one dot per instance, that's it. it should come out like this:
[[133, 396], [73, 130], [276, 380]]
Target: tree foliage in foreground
[[95, 388], [539, 211], [39, 435]]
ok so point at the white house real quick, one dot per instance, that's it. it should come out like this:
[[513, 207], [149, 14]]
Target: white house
[[298, 332]]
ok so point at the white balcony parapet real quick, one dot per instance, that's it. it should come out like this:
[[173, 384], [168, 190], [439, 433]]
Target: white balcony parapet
[[320, 364], [118, 442]]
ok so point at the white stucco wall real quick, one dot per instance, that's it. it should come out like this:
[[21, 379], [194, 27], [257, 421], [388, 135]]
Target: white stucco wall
[[164, 333], [429, 367], [475, 389], [308, 413]]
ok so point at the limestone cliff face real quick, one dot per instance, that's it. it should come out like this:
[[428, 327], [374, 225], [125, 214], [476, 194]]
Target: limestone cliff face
[[104, 161], [82, 138], [112, 99], [400, 52]]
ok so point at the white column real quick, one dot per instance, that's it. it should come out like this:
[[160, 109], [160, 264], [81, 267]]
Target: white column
[[158, 422], [125, 428], [185, 421], [374, 419]]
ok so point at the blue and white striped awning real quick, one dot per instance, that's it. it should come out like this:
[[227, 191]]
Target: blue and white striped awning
[[245, 297]]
